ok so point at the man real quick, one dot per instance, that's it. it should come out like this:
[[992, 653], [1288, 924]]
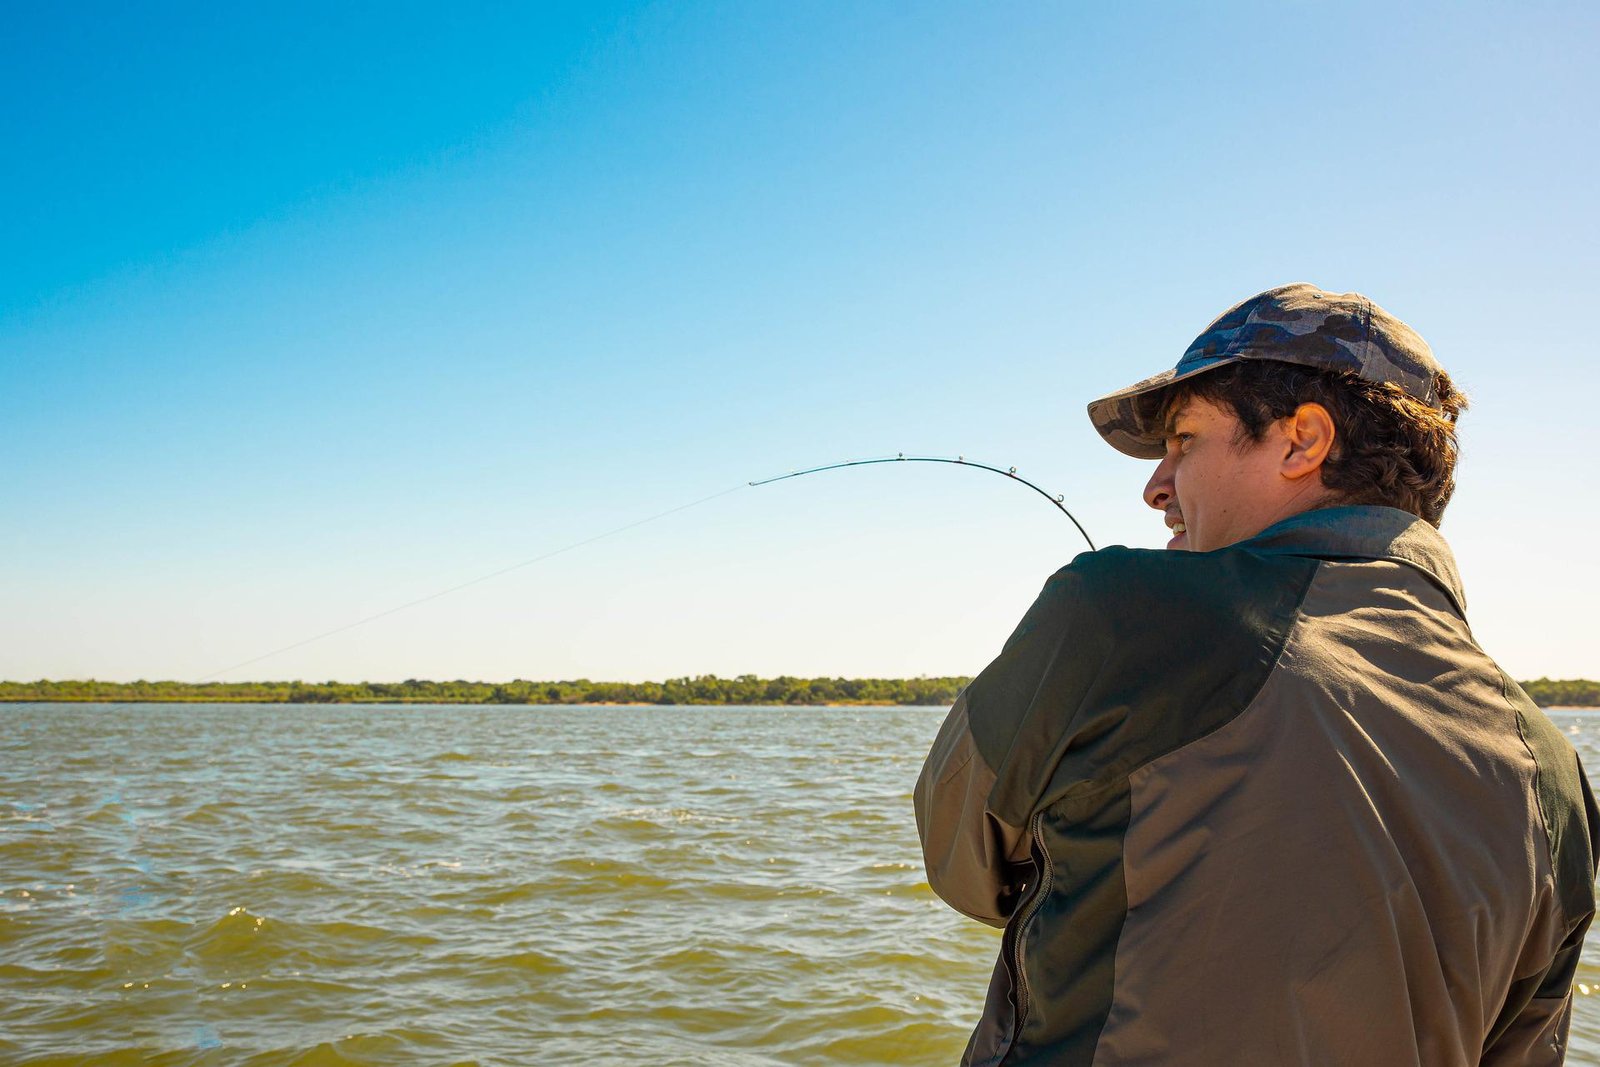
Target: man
[[1265, 801]]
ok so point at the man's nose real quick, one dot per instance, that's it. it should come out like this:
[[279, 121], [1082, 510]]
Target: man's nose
[[1158, 491]]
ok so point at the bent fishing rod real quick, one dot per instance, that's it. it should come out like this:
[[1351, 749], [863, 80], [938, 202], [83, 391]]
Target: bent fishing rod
[[959, 461]]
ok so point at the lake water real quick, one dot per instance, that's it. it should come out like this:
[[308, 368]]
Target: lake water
[[203, 884]]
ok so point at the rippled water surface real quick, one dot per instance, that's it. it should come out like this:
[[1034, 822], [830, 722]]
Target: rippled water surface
[[201, 884], [278, 884]]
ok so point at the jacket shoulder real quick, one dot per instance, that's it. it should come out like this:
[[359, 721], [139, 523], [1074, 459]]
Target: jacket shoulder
[[1128, 654], [1157, 600]]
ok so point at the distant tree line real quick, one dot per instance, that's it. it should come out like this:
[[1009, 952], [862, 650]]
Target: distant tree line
[[1563, 693], [704, 689]]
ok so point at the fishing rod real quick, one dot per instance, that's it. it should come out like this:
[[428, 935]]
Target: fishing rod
[[901, 457], [959, 461]]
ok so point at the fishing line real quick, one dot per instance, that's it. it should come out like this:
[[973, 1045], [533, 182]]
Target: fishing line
[[898, 458], [959, 461], [431, 596], [467, 584]]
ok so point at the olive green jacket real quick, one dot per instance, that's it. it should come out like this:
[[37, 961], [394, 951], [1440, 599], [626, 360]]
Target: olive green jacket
[[1266, 805]]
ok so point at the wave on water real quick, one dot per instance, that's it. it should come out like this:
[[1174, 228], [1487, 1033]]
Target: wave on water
[[587, 885]]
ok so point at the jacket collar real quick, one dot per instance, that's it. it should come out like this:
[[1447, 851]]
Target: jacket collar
[[1363, 532]]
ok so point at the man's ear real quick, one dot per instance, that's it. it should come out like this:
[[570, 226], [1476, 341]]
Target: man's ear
[[1309, 435]]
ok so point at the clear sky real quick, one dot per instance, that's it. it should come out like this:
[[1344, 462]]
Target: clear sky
[[309, 312]]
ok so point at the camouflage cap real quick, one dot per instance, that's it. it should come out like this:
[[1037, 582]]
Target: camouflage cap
[[1296, 323]]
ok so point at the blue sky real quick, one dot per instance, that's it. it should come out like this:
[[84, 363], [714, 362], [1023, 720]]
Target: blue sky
[[308, 313]]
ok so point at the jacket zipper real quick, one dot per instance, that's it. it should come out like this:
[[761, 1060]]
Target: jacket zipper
[[1026, 917]]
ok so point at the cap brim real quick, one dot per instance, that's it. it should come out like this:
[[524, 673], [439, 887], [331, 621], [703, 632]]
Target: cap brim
[[1116, 415]]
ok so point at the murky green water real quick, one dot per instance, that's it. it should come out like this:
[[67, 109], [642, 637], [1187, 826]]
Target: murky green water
[[241, 884], [323, 885]]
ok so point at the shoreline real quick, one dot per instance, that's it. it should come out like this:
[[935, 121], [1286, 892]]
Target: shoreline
[[4, 701]]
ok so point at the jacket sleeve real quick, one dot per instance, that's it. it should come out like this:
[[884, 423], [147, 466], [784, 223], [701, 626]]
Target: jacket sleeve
[[1532, 1029], [975, 860], [978, 789], [1536, 1035]]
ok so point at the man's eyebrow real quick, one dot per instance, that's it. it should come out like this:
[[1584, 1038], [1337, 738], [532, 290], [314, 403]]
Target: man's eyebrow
[[1169, 423]]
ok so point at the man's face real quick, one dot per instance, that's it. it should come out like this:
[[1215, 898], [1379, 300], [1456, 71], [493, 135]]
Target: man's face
[[1215, 485]]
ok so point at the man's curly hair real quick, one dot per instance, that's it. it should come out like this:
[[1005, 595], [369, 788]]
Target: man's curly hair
[[1389, 448]]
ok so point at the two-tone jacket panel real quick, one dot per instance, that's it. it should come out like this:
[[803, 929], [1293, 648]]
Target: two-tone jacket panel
[[1264, 805]]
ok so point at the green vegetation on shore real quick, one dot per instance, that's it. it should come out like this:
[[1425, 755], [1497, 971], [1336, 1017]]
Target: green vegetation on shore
[[1563, 693], [705, 689]]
